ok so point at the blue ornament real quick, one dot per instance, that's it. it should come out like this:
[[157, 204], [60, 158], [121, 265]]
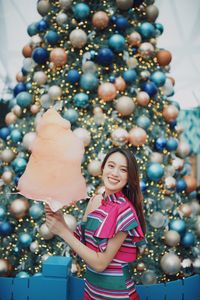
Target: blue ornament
[[159, 28], [93, 54], [42, 25], [134, 50], [40, 55], [160, 143], [32, 29], [155, 171], [19, 165], [173, 124], [172, 144], [25, 239], [36, 211], [121, 23], [2, 212], [181, 185], [24, 72], [105, 56], [178, 225], [117, 42], [81, 11], [113, 19], [143, 185], [147, 30], [73, 76], [112, 79], [20, 87], [16, 250], [143, 121], [22, 274], [81, 100], [52, 37], [129, 76], [71, 115], [6, 228], [89, 82], [4, 133], [24, 99], [28, 85], [149, 87], [158, 78], [16, 135]]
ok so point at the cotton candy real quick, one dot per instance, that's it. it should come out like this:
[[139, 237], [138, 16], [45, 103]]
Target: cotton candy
[[53, 173]]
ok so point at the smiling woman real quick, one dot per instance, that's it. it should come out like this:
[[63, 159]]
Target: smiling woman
[[111, 232]]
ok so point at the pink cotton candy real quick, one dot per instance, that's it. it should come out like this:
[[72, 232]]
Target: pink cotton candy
[[53, 173]]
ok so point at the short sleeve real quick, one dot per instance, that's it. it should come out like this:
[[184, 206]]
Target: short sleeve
[[126, 221]]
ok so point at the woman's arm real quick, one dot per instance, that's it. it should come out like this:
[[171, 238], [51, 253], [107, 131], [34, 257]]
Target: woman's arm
[[96, 260]]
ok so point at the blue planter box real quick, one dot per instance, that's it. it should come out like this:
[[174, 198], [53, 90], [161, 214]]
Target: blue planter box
[[56, 283]]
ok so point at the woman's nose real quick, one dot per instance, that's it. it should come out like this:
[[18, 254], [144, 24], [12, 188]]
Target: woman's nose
[[115, 172]]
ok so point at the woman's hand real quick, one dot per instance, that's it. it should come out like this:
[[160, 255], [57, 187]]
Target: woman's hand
[[55, 221]]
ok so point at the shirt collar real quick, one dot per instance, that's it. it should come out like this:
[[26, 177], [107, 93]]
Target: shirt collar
[[117, 197]]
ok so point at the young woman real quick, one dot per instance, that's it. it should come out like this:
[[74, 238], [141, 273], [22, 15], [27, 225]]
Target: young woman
[[111, 232]]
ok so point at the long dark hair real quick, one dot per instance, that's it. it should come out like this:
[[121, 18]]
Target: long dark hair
[[132, 190]]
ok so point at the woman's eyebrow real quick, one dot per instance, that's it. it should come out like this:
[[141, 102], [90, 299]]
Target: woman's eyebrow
[[111, 161]]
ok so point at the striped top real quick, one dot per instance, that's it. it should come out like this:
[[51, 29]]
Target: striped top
[[116, 213]]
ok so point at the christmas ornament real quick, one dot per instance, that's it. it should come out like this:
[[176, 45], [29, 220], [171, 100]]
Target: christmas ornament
[[137, 136], [125, 105], [70, 221], [24, 99], [58, 56], [178, 225], [172, 238], [100, 20], [36, 211], [45, 232], [107, 91], [170, 263], [155, 171], [78, 38], [94, 168], [119, 136], [19, 208], [164, 57]]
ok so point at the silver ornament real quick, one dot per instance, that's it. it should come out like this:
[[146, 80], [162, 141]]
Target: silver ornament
[[149, 277], [170, 263], [157, 219]]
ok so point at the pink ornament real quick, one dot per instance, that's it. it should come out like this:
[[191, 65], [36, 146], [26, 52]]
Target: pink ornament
[[170, 113], [119, 137], [156, 157], [125, 105], [191, 183], [34, 109], [137, 136], [120, 84], [134, 39], [142, 98], [58, 56], [10, 118], [107, 91], [94, 168], [17, 110], [28, 140], [100, 20], [170, 182], [183, 149]]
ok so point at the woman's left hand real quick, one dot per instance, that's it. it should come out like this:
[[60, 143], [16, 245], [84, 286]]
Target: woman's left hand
[[55, 222]]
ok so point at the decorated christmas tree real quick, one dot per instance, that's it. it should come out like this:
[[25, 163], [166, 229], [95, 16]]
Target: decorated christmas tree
[[98, 65]]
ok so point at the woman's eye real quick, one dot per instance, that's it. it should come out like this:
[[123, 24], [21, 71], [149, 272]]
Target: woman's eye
[[110, 166], [124, 170]]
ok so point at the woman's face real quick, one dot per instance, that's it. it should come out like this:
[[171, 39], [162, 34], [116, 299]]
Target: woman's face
[[115, 173]]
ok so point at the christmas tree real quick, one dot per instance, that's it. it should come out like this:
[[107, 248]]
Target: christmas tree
[[98, 64]]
